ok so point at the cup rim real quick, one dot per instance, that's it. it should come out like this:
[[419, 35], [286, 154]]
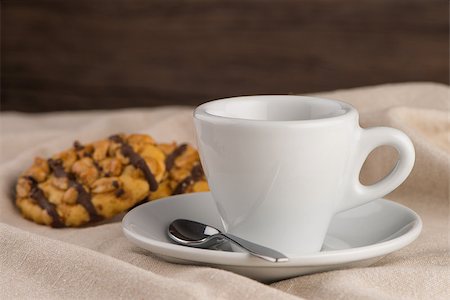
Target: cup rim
[[201, 111]]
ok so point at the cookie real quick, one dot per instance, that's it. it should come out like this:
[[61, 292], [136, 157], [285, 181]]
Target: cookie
[[97, 181]]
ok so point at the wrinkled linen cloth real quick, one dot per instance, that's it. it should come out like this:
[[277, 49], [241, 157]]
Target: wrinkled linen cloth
[[98, 262]]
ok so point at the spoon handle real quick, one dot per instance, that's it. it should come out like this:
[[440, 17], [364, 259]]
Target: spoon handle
[[257, 250]]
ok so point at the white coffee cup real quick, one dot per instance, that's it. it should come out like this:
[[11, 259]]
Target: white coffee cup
[[279, 167]]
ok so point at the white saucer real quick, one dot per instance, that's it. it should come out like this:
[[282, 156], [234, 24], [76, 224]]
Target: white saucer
[[356, 238]]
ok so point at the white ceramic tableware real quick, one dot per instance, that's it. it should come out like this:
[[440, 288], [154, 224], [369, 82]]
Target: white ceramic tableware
[[283, 166], [356, 238]]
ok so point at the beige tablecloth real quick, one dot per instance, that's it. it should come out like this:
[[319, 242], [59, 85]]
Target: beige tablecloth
[[38, 262]]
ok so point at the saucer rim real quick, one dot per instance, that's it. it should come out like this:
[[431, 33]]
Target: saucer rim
[[242, 259]]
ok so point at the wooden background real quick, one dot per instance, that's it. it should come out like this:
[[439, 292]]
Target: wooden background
[[87, 54]]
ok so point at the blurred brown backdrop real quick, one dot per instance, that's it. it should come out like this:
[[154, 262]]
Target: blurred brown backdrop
[[86, 54]]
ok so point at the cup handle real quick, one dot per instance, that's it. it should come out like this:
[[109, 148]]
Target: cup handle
[[370, 139]]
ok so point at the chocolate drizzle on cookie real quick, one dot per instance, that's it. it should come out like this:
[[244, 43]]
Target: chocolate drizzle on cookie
[[57, 167], [196, 175], [116, 139], [137, 161], [78, 146], [170, 159], [119, 192], [97, 166], [38, 195], [84, 198]]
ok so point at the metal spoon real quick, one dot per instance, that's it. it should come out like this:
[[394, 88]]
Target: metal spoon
[[195, 234]]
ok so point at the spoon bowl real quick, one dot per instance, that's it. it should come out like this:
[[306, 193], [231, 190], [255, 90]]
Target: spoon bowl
[[194, 234]]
